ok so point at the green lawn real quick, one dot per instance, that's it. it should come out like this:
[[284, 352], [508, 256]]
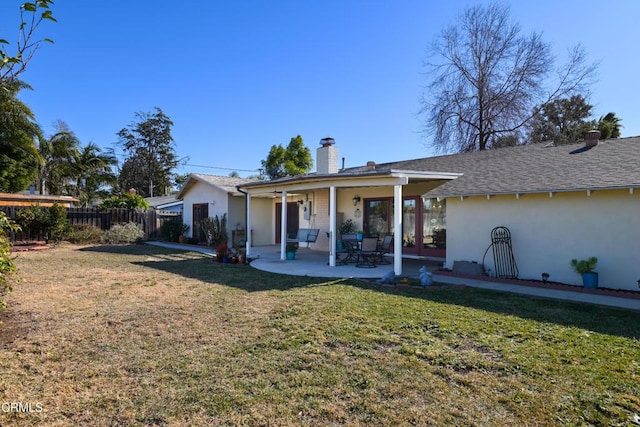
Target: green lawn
[[139, 335]]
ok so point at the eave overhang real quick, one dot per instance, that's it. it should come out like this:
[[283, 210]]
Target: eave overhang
[[377, 178]]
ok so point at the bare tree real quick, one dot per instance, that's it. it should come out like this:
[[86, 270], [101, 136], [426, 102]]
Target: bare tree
[[486, 79]]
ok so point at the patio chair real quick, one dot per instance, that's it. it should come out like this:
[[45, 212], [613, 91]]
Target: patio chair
[[384, 248], [346, 253], [368, 253]]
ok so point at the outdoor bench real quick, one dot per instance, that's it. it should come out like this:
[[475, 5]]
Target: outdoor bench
[[305, 235]]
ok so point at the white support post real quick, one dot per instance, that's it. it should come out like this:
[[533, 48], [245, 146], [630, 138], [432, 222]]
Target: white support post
[[283, 228], [332, 226], [397, 227], [247, 237]]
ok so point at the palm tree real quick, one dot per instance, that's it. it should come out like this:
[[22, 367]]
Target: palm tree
[[56, 152], [609, 126], [91, 171], [18, 132]]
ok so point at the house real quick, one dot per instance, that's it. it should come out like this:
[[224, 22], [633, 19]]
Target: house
[[165, 203], [379, 200], [558, 202], [210, 195]]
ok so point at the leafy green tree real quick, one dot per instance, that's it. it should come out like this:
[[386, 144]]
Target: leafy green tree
[[91, 172], [294, 160], [151, 154], [563, 121], [485, 78], [13, 61], [18, 132], [56, 154], [124, 201], [609, 126], [180, 179]]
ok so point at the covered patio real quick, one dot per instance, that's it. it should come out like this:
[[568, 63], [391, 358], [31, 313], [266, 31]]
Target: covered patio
[[331, 193], [314, 263]]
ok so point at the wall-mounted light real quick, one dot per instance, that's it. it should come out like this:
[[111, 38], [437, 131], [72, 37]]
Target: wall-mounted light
[[356, 200], [357, 213], [301, 202]]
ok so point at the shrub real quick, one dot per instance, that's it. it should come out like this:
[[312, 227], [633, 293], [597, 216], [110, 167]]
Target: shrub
[[56, 223], [84, 234], [33, 221], [124, 201], [171, 229], [49, 223], [215, 229], [7, 268], [123, 233]]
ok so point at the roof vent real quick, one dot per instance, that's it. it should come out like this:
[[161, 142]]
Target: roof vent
[[371, 165], [592, 138]]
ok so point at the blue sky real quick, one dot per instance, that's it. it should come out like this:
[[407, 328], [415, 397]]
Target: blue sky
[[239, 76]]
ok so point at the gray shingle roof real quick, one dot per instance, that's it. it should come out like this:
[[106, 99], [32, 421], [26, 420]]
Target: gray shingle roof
[[613, 163], [161, 200], [224, 183]]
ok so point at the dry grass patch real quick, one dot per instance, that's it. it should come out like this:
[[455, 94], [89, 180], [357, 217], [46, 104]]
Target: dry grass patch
[[138, 335]]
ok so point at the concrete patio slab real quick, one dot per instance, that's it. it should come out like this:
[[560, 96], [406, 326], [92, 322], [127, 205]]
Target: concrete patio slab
[[313, 263]]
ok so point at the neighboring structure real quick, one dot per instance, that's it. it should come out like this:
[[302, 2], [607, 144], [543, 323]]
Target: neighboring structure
[[165, 203], [210, 195], [11, 199], [560, 203]]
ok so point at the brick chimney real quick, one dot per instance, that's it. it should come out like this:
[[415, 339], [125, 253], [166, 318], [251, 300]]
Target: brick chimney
[[327, 157]]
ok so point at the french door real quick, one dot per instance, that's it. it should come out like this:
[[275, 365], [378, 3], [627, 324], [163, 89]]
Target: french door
[[200, 212], [379, 220]]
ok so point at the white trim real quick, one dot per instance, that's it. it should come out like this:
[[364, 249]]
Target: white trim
[[332, 226], [283, 228], [397, 227], [248, 240]]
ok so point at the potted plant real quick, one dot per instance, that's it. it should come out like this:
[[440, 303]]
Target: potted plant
[[360, 235], [291, 251], [183, 230], [347, 227], [221, 251], [585, 268]]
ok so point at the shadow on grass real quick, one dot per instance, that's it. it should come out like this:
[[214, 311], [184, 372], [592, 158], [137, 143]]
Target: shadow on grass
[[601, 319], [195, 265], [610, 321]]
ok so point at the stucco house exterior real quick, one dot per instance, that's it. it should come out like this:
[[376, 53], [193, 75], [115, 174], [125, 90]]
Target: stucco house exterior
[[210, 195], [559, 202]]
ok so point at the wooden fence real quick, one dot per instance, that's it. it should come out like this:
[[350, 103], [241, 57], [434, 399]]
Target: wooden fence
[[150, 220]]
